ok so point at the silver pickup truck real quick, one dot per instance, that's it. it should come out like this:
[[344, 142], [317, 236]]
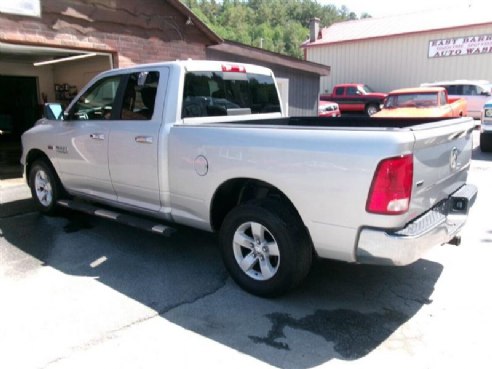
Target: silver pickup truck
[[205, 144]]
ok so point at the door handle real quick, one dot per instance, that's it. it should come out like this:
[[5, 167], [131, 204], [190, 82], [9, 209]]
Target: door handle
[[97, 136], [144, 139]]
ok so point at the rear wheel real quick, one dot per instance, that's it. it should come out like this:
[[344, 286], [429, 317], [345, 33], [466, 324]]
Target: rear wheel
[[45, 186], [265, 247], [485, 143]]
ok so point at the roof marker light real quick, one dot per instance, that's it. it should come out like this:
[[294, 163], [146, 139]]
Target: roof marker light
[[233, 68]]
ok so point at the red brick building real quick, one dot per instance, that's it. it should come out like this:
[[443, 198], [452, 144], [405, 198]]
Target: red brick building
[[132, 32], [49, 49]]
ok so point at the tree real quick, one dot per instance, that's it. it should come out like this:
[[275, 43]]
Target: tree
[[275, 25]]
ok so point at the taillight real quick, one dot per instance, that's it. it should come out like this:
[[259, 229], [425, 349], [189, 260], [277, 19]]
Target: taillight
[[391, 186], [233, 68]]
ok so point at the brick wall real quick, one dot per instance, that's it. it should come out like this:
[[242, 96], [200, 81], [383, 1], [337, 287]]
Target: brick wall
[[134, 31]]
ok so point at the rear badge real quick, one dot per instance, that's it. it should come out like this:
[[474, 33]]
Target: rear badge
[[453, 158]]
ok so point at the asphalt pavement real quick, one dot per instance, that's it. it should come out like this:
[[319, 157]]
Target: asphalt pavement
[[80, 292]]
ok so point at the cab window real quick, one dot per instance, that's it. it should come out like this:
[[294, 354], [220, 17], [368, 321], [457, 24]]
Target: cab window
[[470, 90], [339, 91], [208, 94], [453, 89], [139, 96], [352, 91], [442, 98], [98, 101]]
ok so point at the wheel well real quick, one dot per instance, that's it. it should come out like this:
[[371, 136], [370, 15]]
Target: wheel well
[[238, 191], [34, 155], [375, 103]]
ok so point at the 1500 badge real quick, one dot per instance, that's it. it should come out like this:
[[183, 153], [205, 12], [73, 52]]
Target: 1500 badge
[[60, 149]]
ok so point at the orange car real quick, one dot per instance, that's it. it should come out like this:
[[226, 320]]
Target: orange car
[[421, 102]]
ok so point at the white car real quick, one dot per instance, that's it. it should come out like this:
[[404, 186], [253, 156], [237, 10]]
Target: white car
[[475, 92]]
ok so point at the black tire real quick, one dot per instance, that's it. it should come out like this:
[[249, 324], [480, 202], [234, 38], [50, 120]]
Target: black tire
[[485, 143], [282, 233], [45, 186], [372, 108]]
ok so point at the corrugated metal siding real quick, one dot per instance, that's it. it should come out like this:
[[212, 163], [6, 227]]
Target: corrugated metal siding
[[303, 87], [303, 91], [395, 62]]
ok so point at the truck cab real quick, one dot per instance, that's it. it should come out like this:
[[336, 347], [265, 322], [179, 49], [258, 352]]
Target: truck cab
[[355, 97], [421, 102]]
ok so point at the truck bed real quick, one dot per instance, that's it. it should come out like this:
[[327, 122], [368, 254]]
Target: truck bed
[[353, 122]]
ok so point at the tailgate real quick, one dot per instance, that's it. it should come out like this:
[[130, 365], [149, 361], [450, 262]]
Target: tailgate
[[442, 155]]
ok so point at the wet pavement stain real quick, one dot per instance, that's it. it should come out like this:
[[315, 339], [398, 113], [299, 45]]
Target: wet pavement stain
[[353, 334], [76, 222]]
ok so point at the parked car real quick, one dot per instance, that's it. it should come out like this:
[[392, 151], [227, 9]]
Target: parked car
[[475, 92], [355, 97], [150, 140], [328, 109], [421, 102], [486, 128]]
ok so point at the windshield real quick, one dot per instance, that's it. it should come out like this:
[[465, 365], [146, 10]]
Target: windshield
[[411, 100], [366, 89]]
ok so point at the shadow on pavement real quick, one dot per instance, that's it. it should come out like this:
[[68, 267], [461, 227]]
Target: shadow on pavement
[[10, 153], [342, 311], [477, 154]]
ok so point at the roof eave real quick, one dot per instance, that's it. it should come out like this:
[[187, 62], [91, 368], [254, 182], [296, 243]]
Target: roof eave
[[235, 48], [183, 9], [328, 43]]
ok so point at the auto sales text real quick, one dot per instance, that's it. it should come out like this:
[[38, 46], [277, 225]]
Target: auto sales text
[[469, 45]]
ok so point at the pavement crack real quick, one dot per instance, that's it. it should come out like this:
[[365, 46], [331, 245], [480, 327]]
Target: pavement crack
[[408, 299], [220, 285]]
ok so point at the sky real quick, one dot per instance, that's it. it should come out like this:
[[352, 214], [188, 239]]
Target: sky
[[381, 8]]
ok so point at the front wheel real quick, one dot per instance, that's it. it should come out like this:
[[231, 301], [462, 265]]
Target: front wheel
[[372, 109], [45, 186], [265, 247]]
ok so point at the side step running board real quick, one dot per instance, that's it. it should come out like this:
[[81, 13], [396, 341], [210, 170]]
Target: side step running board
[[130, 220]]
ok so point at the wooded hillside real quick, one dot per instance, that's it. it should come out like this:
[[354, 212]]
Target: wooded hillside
[[275, 25]]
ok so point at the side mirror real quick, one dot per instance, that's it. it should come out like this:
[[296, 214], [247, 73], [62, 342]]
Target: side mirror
[[53, 111], [485, 93]]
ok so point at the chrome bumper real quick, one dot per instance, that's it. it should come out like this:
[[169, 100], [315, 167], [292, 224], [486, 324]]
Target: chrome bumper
[[436, 227]]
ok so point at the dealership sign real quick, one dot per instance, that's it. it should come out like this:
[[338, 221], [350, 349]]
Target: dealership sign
[[21, 7], [468, 45]]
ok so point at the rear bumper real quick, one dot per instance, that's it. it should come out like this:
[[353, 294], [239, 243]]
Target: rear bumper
[[436, 227]]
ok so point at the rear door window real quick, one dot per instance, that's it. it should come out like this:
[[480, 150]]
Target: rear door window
[[339, 91], [228, 93], [453, 89], [139, 96]]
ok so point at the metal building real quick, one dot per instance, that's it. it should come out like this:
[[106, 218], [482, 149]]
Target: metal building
[[405, 50]]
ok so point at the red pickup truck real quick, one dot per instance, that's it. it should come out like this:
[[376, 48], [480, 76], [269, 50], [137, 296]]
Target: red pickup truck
[[355, 97]]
